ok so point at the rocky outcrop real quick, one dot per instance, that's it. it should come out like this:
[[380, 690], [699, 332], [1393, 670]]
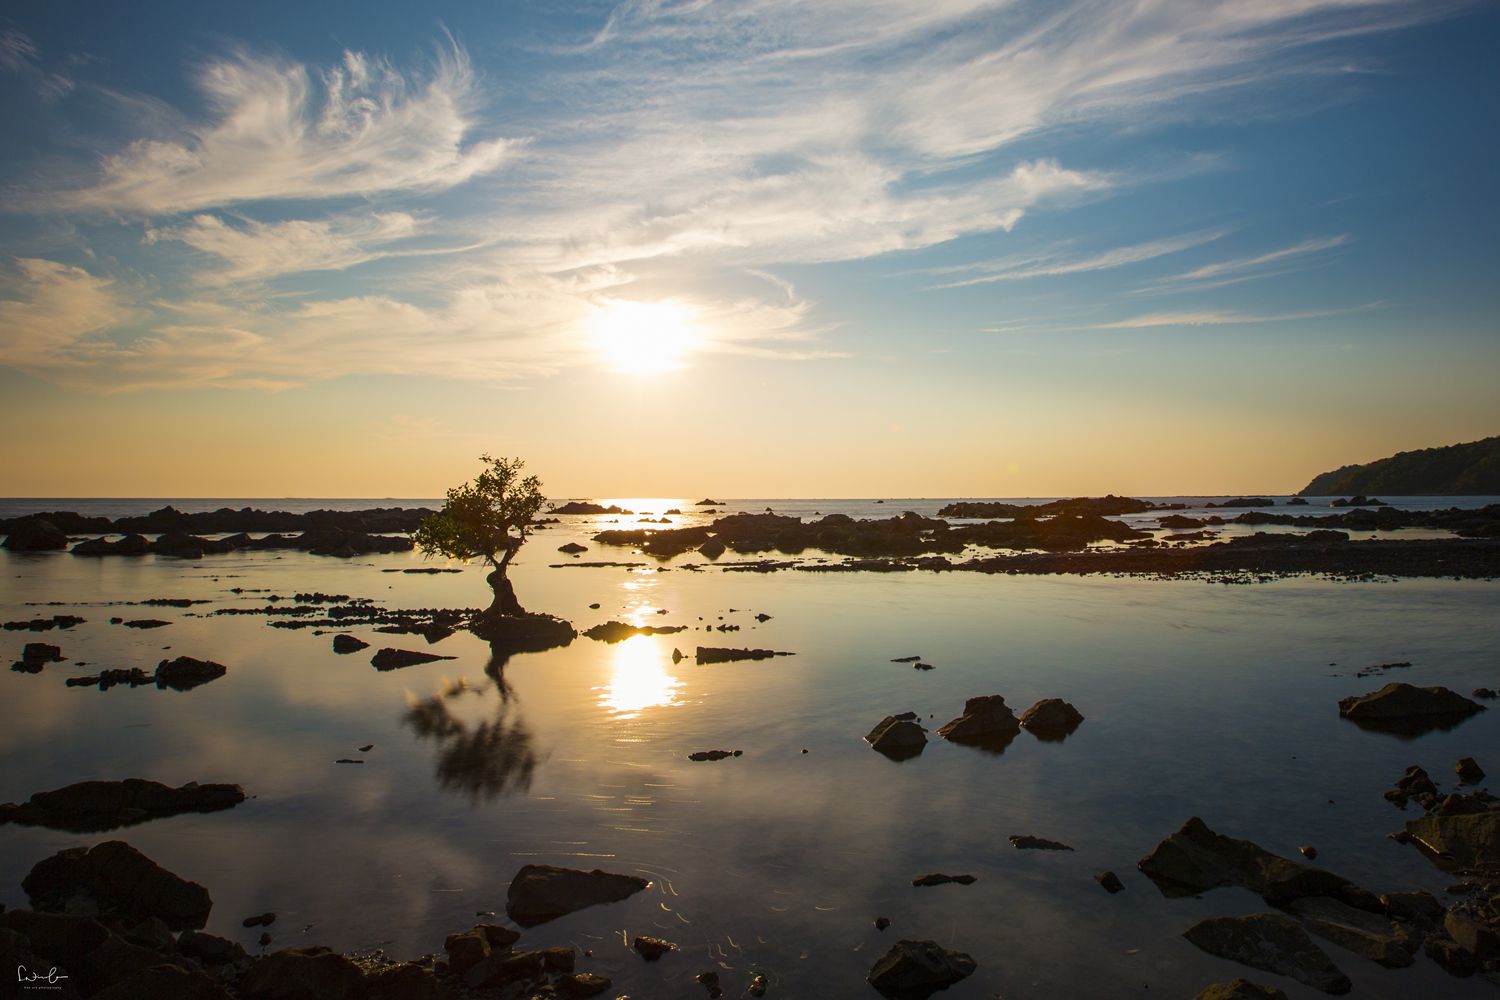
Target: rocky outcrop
[[1051, 719], [1240, 989], [121, 882], [587, 507], [720, 654], [1271, 942], [92, 806], [898, 736], [1408, 710], [652, 948], [572, 548], [539, 893], [33, 535], [35, 656], [703, 755], [1460, 833], [987, 722], [913, 970], [1109, 505], [185, 673], [528, 633], [391, 658], [1471, 469], [1360, 931]]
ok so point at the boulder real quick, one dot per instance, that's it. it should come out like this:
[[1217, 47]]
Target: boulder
[[987, 722], [1241, 988], [466, 950], [34, 535], [583, 984], [572, 548], [1051, 719], [1419, 908], [897, 738], [711, 549], [121, 881], [303, 974], [526, 633], [652, 948], [91, 806], [407, 981], [1458, 839], [391, 658], [1360, 931], [1475, 926], [185, 673], [540, 893], [1196, 859], [1469, 771], [1413, 784], [527, 968], [1405, 709], [912, 970], [209, 949], [1111, 882], [1271, 942], [345, 643]]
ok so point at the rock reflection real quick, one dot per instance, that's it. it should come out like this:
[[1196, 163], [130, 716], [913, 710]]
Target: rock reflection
[[484, 760]]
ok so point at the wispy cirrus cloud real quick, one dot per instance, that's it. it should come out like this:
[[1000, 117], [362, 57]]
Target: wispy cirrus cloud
[[1228, 272], [256, 251], [1053, 264], [274, 132], [1224, 317]]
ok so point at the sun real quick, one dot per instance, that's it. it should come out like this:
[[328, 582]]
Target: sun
[[644, 338]]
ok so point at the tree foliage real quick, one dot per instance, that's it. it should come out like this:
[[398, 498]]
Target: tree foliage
[[487, 518]]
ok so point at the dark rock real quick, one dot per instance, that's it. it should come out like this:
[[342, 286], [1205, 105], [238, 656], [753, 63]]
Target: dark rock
[[1272, 942], [987, 722], [90, 806], [407, 981], [131, 545], [1458, 839], [466, 950], [345, 643], [758, 985], [185, 673], [164, 982], [505, 968], [1111, 882], [1413, 784], [1196, 859], [391, 658], [1243, 502], [1308, 851], [1026, 842], [912, 970], [1241, 988], [1051, 719], [1360, 931], [652, 948], [584, 507], [208, 948], [582, 984], [881, 923], [1408, 710], [1446, 952], [303, 974], [1419, 908], [705, 502], [1488, 693], [572, 547], [34, 535], [937, 878], [719, 654], [710, 982], [1469, 772], [1475, 926], [897, 738], [540, 893], [713, 754], [121, 881], [41, 652], [712, 549], [528, 633], [147, 623], [618, 631]]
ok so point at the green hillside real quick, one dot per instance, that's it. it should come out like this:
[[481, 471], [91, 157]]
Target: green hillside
[[1457, 470]]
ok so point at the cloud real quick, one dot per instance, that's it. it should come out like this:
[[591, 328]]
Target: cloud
[[19, 55], [53, 313], [1219, 317], [256, 251], [1052, 264], [1247, 268], [361, 128]]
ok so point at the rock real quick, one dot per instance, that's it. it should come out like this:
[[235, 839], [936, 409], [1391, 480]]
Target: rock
[[758, 986], [1407, 710], [1196, 859], [711, 549], [1419, 908], [1051, 719], [987, 722], [164, 982], [705, 502], [185, 673], [1469, 772], [1446, 952], [208, 948], [1484, 693], [540, 893], [407, 981], [1360, 931], [1474, 926], [147, 623], [391, 658], [1413, 784], [897, 738], [710, 982], [121, 881], [881, 923], [91, 806], [1458, 839], [34, 535], [713, 754], [41, 652], [617, 631], [466, 950], [528, 633], [572, 548], [652, 948], [345, 643], [582, 984], [303, 974], [504, 968], [1308, 851], [1271, 942], [1241, 988], [911, 970], [1026, 842], [1111, 882], [940, 879], [718, 654]]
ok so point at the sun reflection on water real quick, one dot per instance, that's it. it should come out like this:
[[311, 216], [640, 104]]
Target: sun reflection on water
[[639, 679]]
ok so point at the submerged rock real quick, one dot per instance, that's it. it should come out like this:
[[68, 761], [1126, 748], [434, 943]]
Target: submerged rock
[[987, 722], [618, 631], [540, 893], [1051, 719], [1272, 942], [1196, 859], [897, 737], [1408, 710], [912, 970], [528, 633], [391, 658], [121, 882], [1241, 988], [91, 806], [185, 672]]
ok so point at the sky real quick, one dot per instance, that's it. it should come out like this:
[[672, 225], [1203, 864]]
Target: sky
[[756, 248]]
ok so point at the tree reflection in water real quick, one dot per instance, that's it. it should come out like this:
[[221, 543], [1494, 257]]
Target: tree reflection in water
[[483, 760]]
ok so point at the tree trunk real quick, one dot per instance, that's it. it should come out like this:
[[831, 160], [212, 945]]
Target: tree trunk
[[505, 602]]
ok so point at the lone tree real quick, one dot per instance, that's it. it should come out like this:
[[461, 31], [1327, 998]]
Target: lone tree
[[487, 519]]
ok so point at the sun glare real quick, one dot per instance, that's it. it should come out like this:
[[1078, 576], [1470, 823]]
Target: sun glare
[[644, 338]]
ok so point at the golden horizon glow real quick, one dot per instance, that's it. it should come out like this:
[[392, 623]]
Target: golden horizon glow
[[644, 338]]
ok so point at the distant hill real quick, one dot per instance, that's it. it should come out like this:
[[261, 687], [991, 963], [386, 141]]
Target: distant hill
[[1457, 470]]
